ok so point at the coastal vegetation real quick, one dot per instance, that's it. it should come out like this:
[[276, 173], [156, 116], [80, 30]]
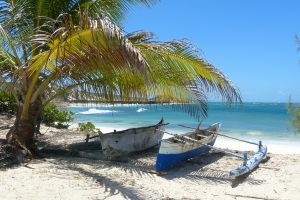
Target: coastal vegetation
[[7, 103], [49, 48], [88, 127], [51, 114], [294, 110], [55, 117]]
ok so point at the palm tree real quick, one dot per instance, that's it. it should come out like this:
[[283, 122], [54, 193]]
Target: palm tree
[[71, 47]]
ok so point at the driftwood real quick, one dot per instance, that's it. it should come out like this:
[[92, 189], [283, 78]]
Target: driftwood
[[248, 196], [58, 152], [88, 137], [90, 150], [89, 154], [157, 173], [81, 146], [4, 127]]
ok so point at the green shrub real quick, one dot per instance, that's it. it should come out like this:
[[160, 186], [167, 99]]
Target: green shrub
[[88, 127], [294, 110], [7, 102], [52, 116]]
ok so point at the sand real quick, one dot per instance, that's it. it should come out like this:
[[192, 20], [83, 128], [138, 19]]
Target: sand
[[205, 177]]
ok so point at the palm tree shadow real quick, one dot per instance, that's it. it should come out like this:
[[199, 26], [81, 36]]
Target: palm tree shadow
[[200, 170], [142, 164], [111, 187], [197, 169], [134, 164]]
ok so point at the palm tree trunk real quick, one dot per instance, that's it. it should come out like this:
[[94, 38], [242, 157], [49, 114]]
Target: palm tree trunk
[[21, 135]]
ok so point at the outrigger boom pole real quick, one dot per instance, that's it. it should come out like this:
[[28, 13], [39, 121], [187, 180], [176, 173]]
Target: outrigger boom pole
[[254, 143]]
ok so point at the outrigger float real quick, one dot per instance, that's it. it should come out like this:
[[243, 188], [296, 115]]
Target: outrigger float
[[179, 148]]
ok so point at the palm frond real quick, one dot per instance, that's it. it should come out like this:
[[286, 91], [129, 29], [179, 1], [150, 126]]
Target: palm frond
[[8, 50], [180, 61], [96, 50], [98, 60], [15, 16], [76, 45], [113, 9]]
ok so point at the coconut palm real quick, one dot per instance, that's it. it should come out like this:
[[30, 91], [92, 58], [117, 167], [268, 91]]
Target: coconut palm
[[78, 46]]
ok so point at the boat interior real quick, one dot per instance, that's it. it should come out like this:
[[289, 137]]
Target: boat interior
[[197, 135]]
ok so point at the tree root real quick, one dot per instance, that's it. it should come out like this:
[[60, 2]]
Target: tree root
[[7, 157], [25, 149], [14, 152], [11, 155]]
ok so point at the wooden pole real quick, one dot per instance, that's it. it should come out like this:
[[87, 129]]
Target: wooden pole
[[88, 137], [223, 135]]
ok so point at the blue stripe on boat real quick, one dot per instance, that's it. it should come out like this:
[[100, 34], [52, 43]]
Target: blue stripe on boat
[[167, 161]]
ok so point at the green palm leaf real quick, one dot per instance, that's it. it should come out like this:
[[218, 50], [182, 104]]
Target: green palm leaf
[[94, 57], [114, 9], [97, 50], [179, 60]]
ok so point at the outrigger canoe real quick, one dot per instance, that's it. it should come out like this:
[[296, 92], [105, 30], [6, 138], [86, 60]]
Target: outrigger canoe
[[250, 164], [174, 150], [119, 143]]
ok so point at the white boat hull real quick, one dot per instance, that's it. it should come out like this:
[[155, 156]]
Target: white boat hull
[[121, 143], [172, 153]]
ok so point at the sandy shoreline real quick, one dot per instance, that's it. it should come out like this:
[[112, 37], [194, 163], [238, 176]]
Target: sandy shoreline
[[60, 177]]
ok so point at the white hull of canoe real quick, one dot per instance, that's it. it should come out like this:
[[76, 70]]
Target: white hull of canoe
[[172, 153], [250, 164], [168, 147], [132, 140]]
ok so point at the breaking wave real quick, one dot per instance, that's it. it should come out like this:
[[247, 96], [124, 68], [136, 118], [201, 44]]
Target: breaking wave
[[96, 111], [141, 110]]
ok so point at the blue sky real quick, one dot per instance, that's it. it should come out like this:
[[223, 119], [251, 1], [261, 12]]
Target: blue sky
[[252, 42]]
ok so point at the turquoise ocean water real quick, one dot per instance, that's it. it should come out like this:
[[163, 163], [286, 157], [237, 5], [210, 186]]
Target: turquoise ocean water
[[253, 121]]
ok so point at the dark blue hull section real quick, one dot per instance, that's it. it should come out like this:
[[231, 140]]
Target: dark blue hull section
[[168, 161]]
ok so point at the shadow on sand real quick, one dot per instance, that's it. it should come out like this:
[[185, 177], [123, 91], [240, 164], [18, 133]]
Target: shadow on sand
[[246, 178], [196, 170]]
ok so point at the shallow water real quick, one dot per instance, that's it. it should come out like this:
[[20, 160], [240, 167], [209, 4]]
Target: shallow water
[[254, 121]]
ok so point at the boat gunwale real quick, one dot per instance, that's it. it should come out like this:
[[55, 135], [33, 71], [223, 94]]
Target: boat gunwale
[[209, 136], [205, 140], [169, 143], [138, 128]]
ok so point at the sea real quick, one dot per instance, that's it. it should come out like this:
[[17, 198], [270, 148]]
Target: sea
[[266, 122]]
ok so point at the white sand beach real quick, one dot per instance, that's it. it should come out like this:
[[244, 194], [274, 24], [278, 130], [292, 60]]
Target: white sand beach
[[205, 177]]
